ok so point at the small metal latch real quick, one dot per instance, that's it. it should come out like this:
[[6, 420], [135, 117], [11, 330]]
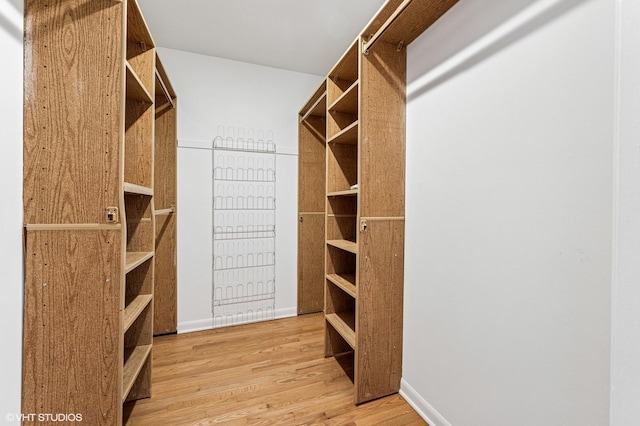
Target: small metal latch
[[301, 218], [363, 225], [112, 214]]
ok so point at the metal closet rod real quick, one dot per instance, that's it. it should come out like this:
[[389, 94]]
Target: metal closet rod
[[374, 38]]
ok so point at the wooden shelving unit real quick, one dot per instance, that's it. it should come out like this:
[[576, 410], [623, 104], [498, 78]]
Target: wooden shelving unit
[[311, 202], [89, 192], [364, 204]]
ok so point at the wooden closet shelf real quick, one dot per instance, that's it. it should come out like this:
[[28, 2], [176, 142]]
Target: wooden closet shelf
[[165, 212], [346, 282], [132, 188], [348, 135], [347, 66], [135, 88], [345, 245], [135, 259], [347, 103], [318, 109], [345, 193], [344, 324], [133, 310], [134, 361]]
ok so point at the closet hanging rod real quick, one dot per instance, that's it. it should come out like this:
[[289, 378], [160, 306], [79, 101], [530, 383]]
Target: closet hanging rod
[[165, 91], [374, 38]]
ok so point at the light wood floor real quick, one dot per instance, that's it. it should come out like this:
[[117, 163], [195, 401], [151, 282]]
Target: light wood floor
[[271, 373]]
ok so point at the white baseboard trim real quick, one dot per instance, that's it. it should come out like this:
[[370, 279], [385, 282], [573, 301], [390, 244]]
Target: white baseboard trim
[[422, 407], [207, 324], [197, 325]]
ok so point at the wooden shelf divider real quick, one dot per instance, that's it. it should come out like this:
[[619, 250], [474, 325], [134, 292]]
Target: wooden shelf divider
[[344, 324], [346, 245], [346, 282], [135, 359], [135, 308], [135, 88], [348, 135], [132, 188], [348, 101], [165, 212], [135, 259], [345, 193], [318, 109]]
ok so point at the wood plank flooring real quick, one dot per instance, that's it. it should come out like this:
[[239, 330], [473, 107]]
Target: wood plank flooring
[[270, 373]]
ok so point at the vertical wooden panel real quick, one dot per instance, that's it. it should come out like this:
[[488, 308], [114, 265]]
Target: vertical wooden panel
[[165, 158], [165, 300], [382, 127], [310, 263], [311, 170], [72, 324], [140, 233], [138, 165], [73, 87], [342, 167], [166, 280], [378, 362]]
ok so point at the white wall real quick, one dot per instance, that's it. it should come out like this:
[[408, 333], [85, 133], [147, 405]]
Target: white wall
[[215, 92], [509, 214], [625, 338], [11, 207]]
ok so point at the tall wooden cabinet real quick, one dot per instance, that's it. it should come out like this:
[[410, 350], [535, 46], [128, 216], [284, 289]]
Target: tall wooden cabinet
[[364, 206], [90, 219], [365, 216]]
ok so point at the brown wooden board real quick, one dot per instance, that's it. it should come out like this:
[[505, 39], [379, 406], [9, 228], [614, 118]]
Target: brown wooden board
[[140, 230], [166, 280], [382, 127], [165, 159], [311, 229], [72, 92], [138, 166], [416, 18], [72, 324], [378, 362], [342, 167], [311, 171]]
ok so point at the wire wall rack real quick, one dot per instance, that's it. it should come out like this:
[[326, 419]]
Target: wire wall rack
[[244, 231]]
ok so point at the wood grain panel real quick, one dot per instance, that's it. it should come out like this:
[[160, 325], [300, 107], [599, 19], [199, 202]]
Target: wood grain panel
[[339, 261], [165, 158], [382, 127], [138, 161], [72, 324], [140, 221], [341, 228], [141, 58], [378, 362], [311, 170], [72, 92], [311, 232], [165, 309], [342, 167]]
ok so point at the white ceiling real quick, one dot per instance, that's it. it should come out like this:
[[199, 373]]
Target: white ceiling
[[299, 35]]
